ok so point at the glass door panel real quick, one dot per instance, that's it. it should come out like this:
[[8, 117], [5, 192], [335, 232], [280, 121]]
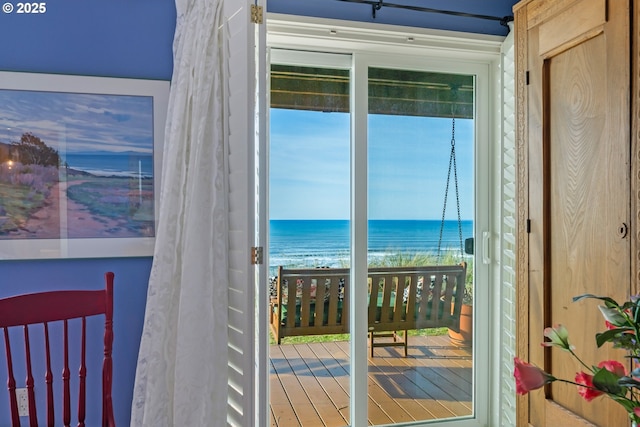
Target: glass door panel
[[309, 199], [420, 215]]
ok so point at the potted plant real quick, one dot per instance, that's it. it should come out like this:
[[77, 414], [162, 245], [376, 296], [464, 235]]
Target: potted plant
[[464, 337]]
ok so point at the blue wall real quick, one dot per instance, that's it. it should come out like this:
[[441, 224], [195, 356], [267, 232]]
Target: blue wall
[[133, 39], [116, 38], [112, 38]]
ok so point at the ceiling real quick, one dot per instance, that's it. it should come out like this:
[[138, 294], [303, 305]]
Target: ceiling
[[428, 95], [396, 13]]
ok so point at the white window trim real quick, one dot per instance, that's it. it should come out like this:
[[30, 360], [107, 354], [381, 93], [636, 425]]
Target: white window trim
[[331, 35], [473, 54], [504, 322]]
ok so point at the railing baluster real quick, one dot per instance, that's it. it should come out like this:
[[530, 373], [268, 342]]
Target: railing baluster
[[435, 301]]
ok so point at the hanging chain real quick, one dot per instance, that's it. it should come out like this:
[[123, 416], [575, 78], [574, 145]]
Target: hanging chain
[[446, 188], [455, 180], [452, 162]]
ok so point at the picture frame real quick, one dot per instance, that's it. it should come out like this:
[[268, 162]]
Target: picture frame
[[80, 165]]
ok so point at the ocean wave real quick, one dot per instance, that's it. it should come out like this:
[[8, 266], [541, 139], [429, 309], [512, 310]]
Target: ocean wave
[[113, 173], [326, 243]]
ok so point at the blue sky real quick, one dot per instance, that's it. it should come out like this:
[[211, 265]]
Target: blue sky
[[408, 163], [78, 123]]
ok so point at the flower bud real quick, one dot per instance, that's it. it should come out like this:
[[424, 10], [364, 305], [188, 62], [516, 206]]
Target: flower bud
[[529, 377]]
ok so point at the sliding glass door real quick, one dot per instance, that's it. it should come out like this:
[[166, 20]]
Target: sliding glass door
[[309, 253], [421, 144], [378, 193]]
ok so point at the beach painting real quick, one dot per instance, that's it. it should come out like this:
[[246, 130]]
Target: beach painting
[[77, 165]]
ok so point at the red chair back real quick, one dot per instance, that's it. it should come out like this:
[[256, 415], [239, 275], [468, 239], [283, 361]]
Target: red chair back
[[36, 310]]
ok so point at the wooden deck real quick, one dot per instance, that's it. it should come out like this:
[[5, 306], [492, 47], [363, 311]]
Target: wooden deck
[[310, 383]]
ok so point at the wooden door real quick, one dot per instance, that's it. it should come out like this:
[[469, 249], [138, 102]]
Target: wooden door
[[575, 161]]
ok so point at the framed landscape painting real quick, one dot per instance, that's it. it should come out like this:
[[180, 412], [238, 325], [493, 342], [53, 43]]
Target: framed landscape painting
[[80, 161]]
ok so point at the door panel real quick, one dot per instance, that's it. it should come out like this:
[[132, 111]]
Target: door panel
[[578, 148], [574, 23], [421, 155], [309, 228], [584, 208]]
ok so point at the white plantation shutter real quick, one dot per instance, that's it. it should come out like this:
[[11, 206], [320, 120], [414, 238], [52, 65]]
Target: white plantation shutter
[[507, 392], [243, 131]]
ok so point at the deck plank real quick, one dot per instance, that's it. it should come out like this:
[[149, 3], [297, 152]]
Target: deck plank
[[381, 409], [447, 374], [282, 412], [413, 397], [308, 379], [302, 405], [376, 415], [325, 371], [309, 383], [426, 391]]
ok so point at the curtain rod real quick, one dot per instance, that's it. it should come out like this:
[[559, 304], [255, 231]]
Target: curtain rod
[[377, 5]]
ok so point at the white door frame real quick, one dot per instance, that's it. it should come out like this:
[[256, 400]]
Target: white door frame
[[421, 50]]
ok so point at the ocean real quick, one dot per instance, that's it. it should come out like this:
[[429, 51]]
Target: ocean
[[325, 243], [128, 165]]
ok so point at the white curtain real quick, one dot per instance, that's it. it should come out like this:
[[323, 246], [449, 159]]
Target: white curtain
[[181, 377]]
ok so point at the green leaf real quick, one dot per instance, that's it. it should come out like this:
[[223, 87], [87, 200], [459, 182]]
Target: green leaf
[[629, 382], [607, 381], [607, 300], [613, 315], [608, 335]]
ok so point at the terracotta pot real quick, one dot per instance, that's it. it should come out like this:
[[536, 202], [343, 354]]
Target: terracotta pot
[[463, 338]]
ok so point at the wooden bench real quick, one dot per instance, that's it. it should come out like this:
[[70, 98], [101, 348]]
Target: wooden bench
[[400, 299]]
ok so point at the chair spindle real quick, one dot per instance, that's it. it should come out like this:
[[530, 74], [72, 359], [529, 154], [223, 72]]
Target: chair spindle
[[11, 382], [31, 395], [48, 378], [82, 394], [66, 375]]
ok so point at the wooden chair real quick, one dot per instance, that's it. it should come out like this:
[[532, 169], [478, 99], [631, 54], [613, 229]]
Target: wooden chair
[[30, 310]]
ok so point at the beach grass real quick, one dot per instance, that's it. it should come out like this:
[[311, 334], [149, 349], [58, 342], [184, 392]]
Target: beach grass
[[18, 203], [114, 197], [23, 191], [308, 339]]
